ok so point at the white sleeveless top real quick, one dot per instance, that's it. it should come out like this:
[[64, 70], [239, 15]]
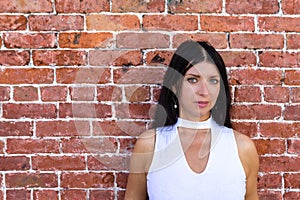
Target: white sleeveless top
[[170, 176]]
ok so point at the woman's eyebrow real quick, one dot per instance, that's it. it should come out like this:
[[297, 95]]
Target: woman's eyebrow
[[199, 76]]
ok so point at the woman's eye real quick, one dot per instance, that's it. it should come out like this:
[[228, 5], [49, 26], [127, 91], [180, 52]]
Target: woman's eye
[[214, 81], [192, 80]]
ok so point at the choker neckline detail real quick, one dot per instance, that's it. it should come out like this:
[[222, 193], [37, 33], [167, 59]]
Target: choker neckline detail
[[194, 125]]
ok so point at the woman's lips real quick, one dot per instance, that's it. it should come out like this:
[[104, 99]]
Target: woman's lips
[[202, 104]]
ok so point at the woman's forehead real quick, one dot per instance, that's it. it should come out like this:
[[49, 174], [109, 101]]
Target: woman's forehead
[[204, 69]]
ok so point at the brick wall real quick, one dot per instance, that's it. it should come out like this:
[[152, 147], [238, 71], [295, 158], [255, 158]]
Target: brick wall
[[79, 80]]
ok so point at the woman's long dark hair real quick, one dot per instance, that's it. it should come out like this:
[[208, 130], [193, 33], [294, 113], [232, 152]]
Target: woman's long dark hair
[[188, 54]]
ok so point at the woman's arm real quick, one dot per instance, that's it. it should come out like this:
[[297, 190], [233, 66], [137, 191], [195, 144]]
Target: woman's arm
[[250, 161], [139, 165]]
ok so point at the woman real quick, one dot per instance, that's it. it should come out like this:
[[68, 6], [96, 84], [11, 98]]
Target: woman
[[192, 152]]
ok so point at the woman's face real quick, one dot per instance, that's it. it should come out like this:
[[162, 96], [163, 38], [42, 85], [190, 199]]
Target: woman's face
[[199, 91]]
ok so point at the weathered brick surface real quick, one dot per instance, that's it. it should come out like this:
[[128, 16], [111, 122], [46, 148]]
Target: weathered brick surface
[[113, 22], [84, 40], [13, 22], [226, 24], [28, 6], [79, 82], [170, 22], [55, 22], [81, 6], [154, 6], [252, 7]]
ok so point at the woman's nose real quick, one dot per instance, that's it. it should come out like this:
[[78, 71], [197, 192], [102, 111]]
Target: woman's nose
[[202, 88]]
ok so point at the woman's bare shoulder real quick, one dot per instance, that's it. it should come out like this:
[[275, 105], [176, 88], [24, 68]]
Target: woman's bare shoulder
[[145, 142], [247, 151]]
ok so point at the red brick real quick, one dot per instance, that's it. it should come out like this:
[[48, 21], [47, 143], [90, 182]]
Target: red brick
[[279, 164], [138, 6], [118, 163], [69, 194], [268, 181], [134, 111], [30, 146], [1, 195], [295, 95], [26, 76], [109, 93], [204, 6], [290, 6], [267, 195], [256, 112], [121, 194], [293, 146], [279, 24], [10, 163], [247, 94], [18, 194], [115, 57], [25, 93], [87, 180], [139, 75], [156, 93], [218, 40], [31, 180], [102, 194], [14, 58], [59, 57], [278, 59], [291, 195], [292, 77], [30, 6], [4, 93], [62, 128], [267, 146], [247, 128], [142, 40], [82, 93], [112, 22], [251, 76], [227, 23], [276, 129], [81, 6], [45, 194], [256, 41], [83, 75], [16, 128], [30, 110], [54, 93], [238, 58], [159, 58], [122, 180], [84, 110], [137, 93], [2, 146], [252, 7], [292, 41], [85, 40], [55, 22], [13, 22], [170, 22], [48, 163], [127, 145], [291, 112], [89, 145], [291, 180], [34, 40], [118, 128], [276, 94]]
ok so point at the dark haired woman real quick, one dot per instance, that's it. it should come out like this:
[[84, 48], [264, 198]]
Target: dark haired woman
[[192, 152]]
